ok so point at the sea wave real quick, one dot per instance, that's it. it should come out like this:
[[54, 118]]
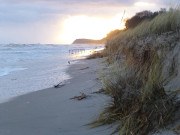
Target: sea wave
[[6, 70]]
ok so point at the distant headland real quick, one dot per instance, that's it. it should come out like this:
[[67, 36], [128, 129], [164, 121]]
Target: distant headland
[[87, 41]]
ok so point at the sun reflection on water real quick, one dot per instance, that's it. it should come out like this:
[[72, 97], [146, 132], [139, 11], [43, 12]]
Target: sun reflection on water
[[84, 53]]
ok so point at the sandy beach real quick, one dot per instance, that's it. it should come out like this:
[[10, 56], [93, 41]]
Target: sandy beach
[[52, 111], [90, 67]]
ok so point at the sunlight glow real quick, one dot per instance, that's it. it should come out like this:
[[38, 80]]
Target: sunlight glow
[[87, 52], [89, 27]]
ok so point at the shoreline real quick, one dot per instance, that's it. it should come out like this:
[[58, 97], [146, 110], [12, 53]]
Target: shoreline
[[52, 111], [44, 69]]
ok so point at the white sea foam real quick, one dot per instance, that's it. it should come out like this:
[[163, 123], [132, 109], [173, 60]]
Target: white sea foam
[[6, 70]]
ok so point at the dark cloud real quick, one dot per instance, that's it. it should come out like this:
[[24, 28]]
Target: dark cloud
[[27, 10], [26, 13], [35, 10]]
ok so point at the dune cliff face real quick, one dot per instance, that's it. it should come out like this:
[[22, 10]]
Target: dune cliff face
[[141, 49], [144, 75], [87, 41]]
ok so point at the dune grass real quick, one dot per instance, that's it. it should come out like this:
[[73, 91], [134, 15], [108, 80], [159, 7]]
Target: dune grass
[[165, 22], [140, 104]]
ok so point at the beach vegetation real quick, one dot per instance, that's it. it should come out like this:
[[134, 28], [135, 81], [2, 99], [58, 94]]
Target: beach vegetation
[[136, 76], [141, 16], [97, 54]]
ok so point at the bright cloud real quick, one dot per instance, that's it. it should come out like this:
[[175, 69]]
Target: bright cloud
[[91, 27]]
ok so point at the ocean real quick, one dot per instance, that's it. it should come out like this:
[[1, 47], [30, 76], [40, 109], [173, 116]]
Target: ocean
[[26, 68]]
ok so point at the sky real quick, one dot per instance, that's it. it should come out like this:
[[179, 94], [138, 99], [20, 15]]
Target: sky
[[62, 21]]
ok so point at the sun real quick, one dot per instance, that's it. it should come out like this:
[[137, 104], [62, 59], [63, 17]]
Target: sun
[[83, 26]]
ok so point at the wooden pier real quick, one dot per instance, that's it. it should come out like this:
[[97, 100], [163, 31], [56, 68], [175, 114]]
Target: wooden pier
[[74, 51]]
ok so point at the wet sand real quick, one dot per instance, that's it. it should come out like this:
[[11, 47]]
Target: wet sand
[[52, 112]]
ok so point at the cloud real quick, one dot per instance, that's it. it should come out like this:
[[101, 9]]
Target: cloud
[[27, 11], [22, 11], [71, 2]]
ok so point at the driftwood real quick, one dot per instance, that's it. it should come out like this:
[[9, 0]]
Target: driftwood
[[82, 96], [99, 91], [59, 85], [84, 68], [177, 130]]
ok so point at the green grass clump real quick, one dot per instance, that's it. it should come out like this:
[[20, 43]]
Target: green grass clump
[[165, 22]]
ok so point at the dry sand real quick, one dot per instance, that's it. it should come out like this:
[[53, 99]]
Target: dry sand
[[52, 112]]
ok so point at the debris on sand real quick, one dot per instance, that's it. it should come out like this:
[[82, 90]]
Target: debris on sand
[[82, 96], [61, 84], [177, 130], [84, 68], [99, 91]]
